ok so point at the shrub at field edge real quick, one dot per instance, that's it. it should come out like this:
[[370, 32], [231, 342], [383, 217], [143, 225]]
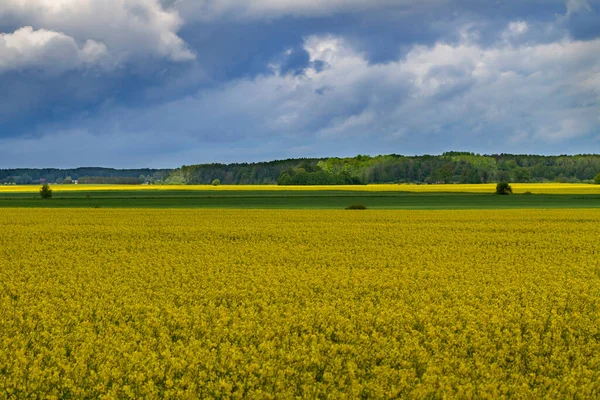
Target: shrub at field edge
[[45, 191], [503, 188]]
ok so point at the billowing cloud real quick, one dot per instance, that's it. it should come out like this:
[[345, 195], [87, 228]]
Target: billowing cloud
[[170, 82], [50, 51], [442, 90], [127, 28], [447, 96], [60, 58]]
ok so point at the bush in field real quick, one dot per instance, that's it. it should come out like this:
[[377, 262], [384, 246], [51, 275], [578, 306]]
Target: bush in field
[[45, 191], [597, 179], [216, 182], [356, 207], [503, 188]]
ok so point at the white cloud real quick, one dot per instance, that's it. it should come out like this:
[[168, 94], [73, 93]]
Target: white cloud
[[566, 125], [128, 28], [51, 51], [512, 97], [462, 91], [515, 29], [577, 6]]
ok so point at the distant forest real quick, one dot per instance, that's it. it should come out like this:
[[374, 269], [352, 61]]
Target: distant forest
[[26, 176], [450, 167]]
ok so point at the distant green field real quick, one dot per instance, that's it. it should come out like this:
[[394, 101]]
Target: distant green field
[[294, 199]]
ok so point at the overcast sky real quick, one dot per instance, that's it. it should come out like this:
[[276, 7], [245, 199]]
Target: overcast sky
[[162, 83]]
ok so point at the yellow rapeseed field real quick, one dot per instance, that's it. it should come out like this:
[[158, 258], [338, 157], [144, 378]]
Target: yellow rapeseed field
[[534, 188], [109, 303]]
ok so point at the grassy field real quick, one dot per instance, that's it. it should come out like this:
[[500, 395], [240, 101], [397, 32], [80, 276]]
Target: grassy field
[[299, 304], [330, 197]]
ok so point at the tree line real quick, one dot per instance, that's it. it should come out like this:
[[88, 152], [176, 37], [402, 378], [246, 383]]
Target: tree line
[[26, 176], [450, 167]]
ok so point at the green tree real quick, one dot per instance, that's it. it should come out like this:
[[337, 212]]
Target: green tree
[[485, 176], [503, 188], [597, 179], [445, 173], [309, 166], [470, 175], [216, 182], [45, 191], [502, 176], [521, 175]]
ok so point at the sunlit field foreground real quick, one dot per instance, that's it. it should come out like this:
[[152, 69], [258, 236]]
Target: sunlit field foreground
[[534, 188], [277, 304]]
